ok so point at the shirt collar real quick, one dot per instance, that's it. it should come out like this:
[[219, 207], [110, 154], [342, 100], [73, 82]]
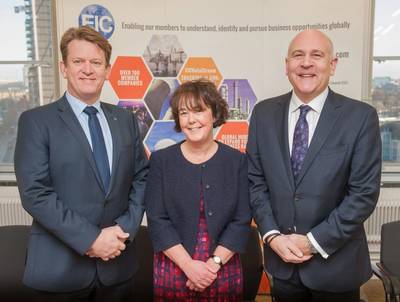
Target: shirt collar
[[78, 106], [316, 104]]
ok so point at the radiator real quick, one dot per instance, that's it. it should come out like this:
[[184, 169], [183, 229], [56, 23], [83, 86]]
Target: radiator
[[11, 211]]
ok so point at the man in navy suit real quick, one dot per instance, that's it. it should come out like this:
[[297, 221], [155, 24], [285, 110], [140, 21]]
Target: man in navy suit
[[81, 172], [314, 170]]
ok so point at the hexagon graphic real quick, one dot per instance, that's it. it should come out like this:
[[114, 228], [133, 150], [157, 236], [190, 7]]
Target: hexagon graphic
[[164, 55], [143, 116], [130, 77], [234, 134], [162, 135], [158, 98], [240, 98], [200, 68]]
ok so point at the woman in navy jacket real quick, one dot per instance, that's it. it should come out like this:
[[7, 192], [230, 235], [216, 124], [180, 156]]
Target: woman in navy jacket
[[197, 204]]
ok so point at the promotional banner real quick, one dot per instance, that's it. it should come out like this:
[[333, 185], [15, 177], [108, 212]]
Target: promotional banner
[[240, 46]]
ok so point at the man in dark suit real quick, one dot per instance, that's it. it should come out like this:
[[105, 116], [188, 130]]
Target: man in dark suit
[[81, 172], [314, 170]]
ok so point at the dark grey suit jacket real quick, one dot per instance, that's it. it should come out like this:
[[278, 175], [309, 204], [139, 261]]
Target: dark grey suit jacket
[[61, 188], [337, 188]]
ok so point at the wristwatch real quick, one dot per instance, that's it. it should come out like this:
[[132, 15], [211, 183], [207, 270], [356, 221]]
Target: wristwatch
[[217, 259]]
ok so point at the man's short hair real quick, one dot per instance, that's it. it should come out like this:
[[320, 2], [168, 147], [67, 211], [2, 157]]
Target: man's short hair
[[85, 33]]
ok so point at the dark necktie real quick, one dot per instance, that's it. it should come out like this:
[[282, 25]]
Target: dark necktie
[[98, 146], [300, 141]]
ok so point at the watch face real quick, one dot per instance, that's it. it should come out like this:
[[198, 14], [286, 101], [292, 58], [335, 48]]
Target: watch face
[[217, 260]]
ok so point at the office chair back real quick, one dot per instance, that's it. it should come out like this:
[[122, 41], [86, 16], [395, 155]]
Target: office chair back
[[143, 279], [252, 263], [388, 269], [390, 246], [14, 242]]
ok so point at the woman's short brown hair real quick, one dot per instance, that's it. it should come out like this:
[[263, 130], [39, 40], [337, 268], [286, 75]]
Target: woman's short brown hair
[[196, 94], [88, 34]]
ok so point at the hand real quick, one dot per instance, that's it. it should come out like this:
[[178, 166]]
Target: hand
[[109, 243], [199, 276], [212, 267], [192, 286], [288, 250], [302, 242]]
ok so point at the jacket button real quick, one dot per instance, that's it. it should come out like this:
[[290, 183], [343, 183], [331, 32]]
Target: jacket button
[[296, 198], [207, 186], [203, 165], [210, 213]]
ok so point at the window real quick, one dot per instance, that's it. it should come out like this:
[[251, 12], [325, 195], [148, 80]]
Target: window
[[385, 86], [26, 67]]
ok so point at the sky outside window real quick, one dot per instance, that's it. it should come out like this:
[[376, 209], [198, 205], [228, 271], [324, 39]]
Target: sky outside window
[[12, 31]]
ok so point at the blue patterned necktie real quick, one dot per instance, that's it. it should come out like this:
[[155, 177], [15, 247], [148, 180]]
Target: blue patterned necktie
[[300, 141], [98, 146]]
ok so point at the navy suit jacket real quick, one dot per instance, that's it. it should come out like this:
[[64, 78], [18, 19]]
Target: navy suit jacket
[[61, 188], [336, 191], [173, 199]]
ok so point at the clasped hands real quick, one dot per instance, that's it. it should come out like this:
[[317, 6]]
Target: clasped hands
[[201, 274], [293, 248], [109, 244]]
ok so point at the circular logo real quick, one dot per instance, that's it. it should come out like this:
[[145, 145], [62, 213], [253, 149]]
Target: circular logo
[[99, 18]]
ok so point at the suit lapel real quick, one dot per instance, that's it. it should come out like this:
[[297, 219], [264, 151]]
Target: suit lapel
[[72, 123], [327, 120], [116, 138], [281, 124]]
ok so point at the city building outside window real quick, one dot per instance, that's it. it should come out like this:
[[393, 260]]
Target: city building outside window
[[385, 88], [27, 74]]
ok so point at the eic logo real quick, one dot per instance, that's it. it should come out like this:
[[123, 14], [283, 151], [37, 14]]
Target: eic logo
[[99, 18]]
